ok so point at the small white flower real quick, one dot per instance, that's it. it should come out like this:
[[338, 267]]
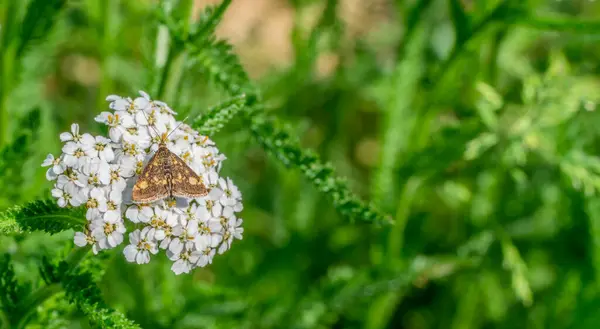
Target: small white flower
[[95, 202], [113, 201], [75, 155], [94, 173], [184, 261], [87, 143], [213, 206], [232, 230], [68, 195], [71, 136], [69, 177], [102, 149], [210, 179], [139, 213], [129, 151], [57, 166], [207, 252], [108, 231], [172, 231], [139, 249], [186, 238], [231, 194], [117, 122], [117, 175], [159, 222], [83, 239]]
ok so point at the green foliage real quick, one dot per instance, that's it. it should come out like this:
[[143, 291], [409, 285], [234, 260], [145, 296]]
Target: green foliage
[[473, 123], [217, 117], [41, 215], [11, 291], [81, 289], [12, 157], [38, 22]]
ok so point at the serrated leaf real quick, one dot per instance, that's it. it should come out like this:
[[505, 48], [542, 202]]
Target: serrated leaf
[[41, 215], [215, 119], [208, 21], [11, 292]]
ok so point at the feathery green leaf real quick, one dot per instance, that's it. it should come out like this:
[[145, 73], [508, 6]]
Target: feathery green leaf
[[278, 141], [211, 122], [11, 291], [223, 67], [41, 215], [81, 289], [216, 60], [208, 21]]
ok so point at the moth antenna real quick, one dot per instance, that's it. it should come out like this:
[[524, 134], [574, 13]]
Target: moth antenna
[[153, 128], [182, 121]]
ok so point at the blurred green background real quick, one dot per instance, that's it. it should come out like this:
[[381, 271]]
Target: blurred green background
[[472, 123]]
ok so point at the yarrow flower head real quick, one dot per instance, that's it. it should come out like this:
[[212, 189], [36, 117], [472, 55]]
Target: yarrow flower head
[[98, 173]]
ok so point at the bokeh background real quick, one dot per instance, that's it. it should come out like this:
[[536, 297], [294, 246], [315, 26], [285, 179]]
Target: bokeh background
[[472, 123]]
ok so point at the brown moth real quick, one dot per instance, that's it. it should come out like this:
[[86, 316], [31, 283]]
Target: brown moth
[[167, 175]]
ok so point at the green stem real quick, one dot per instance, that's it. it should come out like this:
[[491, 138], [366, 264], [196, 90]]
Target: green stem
[[172, 71], [460, 45], [110, 14], [7, 70], [173, 78]]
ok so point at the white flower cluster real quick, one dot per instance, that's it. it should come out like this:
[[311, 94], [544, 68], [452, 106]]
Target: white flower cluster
[[99, 173]]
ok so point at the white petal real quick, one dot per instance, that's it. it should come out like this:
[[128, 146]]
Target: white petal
[[62, 202], [176, 246], [80, 239], [57, 193], [70, 148], [130, 252], [48, 161], [51, 175], [159, 235], [110, 239], [134, 237], [132, 213], [112, 216], [64, 137], [180, 266], [143, 257]]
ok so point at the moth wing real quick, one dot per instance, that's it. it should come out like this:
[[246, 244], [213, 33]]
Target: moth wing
[[186, 183], [152, 185]]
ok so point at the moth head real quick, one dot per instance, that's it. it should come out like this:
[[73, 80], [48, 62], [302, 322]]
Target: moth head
[[164, 137]]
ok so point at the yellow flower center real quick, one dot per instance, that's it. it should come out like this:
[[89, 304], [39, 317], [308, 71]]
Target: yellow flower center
[[91, 203], [109, 228]]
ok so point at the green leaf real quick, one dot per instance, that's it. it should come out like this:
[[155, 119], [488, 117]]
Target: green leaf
[[400, 116], [561, 24], [211, 122], [41, 215], [38, 22], [208, 21], [11, 291], [13, 155], [460, 20], [278, 141], [218, 62], [82, 290]]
